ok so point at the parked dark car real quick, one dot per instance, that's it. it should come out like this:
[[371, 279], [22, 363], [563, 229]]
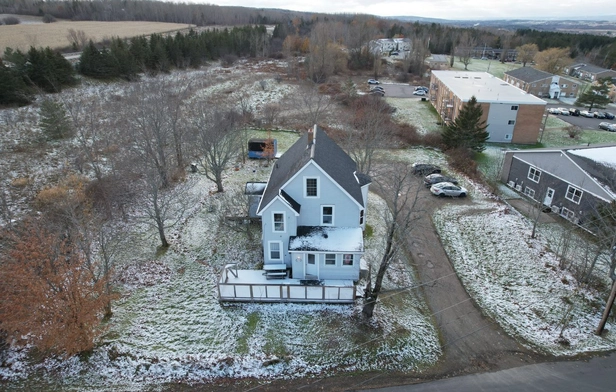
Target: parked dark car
[[574, 112], [422, 88], [435, 178], [598, 114], [608, 115], [425, 168]]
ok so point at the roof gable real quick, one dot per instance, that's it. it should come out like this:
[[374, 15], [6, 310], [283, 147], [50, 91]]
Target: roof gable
[[327, 155]]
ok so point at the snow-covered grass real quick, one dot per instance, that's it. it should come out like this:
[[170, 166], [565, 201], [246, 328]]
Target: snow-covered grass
[[516, 280], [168, 325], [415, 112]]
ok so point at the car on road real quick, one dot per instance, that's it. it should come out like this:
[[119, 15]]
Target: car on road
[[436, 178], [554, 110], [598, 115], [373, 81], [422, 88], [586, 113], [419, 92], [377, 88], [564, 111], [425, 168], [607, 126], [380, 93], [574, 112], [443, 189], [608, 115]]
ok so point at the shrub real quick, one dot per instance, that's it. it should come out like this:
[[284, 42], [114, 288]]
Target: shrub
[[48, 18], [228, 60], [11, 20], [461, 159]]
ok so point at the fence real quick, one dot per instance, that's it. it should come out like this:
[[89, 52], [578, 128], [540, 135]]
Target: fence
[[284, 292]]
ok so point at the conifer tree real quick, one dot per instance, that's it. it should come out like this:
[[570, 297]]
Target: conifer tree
[[596, 96], [468, 130], [54, 120]]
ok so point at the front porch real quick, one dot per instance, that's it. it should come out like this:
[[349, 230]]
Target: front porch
[[254, 286]]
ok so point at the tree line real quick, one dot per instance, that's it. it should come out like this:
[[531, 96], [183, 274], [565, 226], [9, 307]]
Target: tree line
[[48, 71]]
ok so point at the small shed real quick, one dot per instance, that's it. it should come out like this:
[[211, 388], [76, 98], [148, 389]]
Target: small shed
[[254, 191], [256, 148]]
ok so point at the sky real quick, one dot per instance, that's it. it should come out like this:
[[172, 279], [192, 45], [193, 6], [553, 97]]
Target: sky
[[441, 9]]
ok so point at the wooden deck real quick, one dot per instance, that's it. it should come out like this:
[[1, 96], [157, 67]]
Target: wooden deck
[[254, 286]]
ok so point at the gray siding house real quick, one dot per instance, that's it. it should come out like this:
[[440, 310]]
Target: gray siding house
[[313, 211], [569, 181]]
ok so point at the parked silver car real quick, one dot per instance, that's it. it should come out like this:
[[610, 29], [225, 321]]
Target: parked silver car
[[443, 189]]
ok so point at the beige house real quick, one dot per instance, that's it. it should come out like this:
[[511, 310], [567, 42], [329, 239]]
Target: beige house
[[541, 83], [512, 115]]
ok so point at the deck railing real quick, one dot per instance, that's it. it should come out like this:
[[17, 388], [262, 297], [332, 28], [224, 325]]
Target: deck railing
[[282, 292]]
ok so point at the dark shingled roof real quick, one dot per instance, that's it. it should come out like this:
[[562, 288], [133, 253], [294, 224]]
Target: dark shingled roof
[[327, 154], [529, 74]]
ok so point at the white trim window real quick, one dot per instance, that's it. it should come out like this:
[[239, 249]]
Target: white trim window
[[311, 187], [275, 250], [567, 214], [574, 194], [361, 217], [347, 259], [516, 107], [534, 174], [511, 122], [529, 192], [278, 219], [330, 259], [327, 215]]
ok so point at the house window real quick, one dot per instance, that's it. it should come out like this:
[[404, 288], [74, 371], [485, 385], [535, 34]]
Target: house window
[[515, 107], [361, 217], [311, 187], [278, 222], [330, 259], [567, 213], [511, 122], [574, 194], [534, 174], [275, 248], [347, 259], [327, 215], [529, 192]]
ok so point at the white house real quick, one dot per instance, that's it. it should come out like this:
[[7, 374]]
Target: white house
[[313, 211]]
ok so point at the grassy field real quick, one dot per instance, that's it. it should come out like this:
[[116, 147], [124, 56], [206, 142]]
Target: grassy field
[[493, 67], [54, 35]]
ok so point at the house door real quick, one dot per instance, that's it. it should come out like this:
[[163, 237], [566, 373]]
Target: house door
[[549, 195], [311, 265]]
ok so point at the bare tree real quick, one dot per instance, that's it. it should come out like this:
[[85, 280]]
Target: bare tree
[[313, 103], [526, 53], [401, 192], [218, 139], [464, 50], [370, 130], [77, 38]]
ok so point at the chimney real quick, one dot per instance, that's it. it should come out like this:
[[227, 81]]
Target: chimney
[[310, 137]]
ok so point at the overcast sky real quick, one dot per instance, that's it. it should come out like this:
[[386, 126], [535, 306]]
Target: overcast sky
[[442, 9]]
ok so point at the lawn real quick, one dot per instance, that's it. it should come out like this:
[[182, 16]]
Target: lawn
[[493, 67]]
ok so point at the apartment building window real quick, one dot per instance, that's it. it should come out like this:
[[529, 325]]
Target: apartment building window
[[564, 86], [574, 194], [514, 107], [534, 174], [511, 122]]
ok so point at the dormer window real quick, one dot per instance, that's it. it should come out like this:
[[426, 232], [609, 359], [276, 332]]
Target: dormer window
[[312, 189]]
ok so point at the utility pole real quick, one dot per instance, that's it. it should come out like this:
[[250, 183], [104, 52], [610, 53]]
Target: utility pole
[[610, 300]]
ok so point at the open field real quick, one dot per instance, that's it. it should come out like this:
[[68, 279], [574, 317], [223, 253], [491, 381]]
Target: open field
[[493, 67], [54, 35]]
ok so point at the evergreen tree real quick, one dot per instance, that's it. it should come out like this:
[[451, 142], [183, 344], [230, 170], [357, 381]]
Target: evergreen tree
[[468, 130], [13, 89], [54, 121], [596, 96]]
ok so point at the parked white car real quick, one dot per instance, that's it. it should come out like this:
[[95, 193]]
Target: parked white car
[[586, 113], [443, 189], [554, 110], [564, 111]]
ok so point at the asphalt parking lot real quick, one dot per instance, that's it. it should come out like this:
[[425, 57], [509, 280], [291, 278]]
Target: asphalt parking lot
[[397, 90], [582, 122]]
